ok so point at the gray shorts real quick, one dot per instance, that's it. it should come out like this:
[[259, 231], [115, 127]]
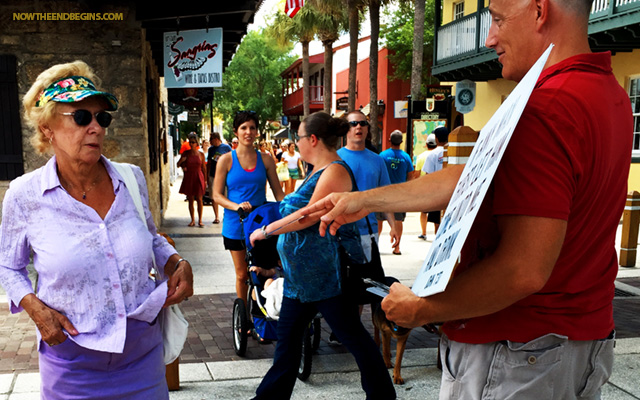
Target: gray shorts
[[398, 216], [549, 367]]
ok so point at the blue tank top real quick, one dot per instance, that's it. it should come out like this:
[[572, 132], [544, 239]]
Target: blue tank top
[[311, 262], [242, 186]]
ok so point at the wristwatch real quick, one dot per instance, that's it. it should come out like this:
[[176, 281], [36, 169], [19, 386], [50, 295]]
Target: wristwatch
[[264, 232]]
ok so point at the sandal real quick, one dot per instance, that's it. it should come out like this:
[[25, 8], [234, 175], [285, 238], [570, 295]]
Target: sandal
[[259, 339], [216, 221], [192, 224]]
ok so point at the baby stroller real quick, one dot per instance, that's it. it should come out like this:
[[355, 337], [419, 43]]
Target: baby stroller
[[255, 314]]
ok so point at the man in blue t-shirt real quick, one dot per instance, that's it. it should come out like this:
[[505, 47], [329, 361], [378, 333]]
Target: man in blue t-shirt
[[370, 172], [216, 150], [399, 166]]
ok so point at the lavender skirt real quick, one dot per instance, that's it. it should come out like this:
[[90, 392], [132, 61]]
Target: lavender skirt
[[69, 371]]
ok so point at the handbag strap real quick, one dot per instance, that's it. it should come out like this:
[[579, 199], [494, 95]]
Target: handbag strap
[[130, 182], [354, 188]]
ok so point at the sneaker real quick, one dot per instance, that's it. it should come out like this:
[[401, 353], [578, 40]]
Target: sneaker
[[333, 340], [423, 237]]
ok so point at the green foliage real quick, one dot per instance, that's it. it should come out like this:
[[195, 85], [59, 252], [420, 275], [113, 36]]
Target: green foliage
[[398, 35], [252, 80]]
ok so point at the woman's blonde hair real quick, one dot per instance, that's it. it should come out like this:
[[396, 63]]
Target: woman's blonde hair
[[38, 116]]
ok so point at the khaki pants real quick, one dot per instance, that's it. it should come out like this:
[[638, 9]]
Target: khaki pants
[[547, 368]]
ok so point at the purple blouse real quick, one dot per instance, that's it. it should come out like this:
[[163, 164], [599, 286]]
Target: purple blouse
[[94, 271]]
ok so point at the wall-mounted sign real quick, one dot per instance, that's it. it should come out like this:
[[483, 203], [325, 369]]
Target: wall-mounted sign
[[465, 96], [438, 92], [193, 58], [400, 109], [342, 103], [194, 116]]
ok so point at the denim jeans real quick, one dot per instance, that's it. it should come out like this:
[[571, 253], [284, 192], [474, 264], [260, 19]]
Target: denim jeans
[[344, 320]]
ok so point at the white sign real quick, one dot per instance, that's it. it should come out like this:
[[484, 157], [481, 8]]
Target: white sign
[[400, 109], [465, 96], [472, 186], [193, 59]]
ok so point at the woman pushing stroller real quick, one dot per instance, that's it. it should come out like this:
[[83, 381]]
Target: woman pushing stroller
[[240, 182], [312, 269]]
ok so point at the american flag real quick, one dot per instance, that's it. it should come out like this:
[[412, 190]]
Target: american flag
[[292, 7]]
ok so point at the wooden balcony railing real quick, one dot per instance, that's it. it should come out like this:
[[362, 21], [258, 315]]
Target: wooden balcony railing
[[466, 36], [295, 99]]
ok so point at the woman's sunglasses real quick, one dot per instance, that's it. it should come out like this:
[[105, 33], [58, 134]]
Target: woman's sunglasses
[[355, 123], [84, 117]]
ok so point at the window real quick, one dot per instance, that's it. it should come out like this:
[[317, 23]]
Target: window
[[634, 95], [458, 10]]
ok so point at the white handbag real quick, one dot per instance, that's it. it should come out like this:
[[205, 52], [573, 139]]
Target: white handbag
[[174, 325]]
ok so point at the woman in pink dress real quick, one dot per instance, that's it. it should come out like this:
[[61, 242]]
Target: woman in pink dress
[[195, 176]]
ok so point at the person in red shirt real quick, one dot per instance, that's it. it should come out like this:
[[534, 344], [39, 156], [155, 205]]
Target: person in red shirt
[[529, 309]]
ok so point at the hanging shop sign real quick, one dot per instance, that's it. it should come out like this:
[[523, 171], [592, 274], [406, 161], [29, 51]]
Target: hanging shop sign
[[193, 59], [465, 96]]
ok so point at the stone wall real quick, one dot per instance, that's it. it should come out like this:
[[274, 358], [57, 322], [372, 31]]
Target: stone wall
[[118, 53]]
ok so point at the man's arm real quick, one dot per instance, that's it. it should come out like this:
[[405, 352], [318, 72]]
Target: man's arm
[[427, 193], [521, 265]]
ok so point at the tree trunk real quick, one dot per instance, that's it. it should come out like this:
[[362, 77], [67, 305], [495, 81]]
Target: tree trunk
[[328, 73], [418, 50], [374, 13], [353, 56], [305, 80]]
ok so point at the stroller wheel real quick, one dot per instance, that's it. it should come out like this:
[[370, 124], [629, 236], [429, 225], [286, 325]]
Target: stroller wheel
[[304, 370], [316, 333], [240, 326]]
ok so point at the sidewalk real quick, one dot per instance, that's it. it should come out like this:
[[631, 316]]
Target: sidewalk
[[209, 368]]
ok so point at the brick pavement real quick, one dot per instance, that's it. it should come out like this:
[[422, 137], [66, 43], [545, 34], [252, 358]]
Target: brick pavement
[[210, 333]]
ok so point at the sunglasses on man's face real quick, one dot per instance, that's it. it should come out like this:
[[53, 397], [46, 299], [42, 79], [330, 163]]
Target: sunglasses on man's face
[[355, 123], [84, 117]]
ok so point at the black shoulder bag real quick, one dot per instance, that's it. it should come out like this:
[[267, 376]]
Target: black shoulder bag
[[353, 272]]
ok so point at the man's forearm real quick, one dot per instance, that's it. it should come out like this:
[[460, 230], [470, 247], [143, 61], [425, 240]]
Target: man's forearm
[[428, 193]]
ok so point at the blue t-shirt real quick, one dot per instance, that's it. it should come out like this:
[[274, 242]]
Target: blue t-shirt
[[242, 186], [398, 164], [213, 154], [370, 172], [310, 262]]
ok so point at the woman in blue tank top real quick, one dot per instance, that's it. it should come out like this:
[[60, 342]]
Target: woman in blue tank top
[[240, 180], [312, 269]]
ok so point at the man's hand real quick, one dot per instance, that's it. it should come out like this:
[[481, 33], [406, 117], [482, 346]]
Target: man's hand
[[402, 306], [336, 210]]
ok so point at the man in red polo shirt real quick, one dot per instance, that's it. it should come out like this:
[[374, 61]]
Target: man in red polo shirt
[[529, 310]]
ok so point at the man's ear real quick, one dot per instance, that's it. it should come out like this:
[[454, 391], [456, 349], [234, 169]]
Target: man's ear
[[542, 12]]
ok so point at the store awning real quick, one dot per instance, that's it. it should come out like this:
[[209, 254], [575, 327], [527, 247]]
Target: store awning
[[282, 134]]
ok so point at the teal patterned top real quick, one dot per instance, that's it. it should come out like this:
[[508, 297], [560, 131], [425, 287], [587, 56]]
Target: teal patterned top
[[310, 262]]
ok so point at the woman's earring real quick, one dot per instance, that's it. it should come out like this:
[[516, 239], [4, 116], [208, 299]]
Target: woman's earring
[[50, 139]]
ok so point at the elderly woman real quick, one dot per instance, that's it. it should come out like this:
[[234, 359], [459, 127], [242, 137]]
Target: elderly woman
[[96, 306]]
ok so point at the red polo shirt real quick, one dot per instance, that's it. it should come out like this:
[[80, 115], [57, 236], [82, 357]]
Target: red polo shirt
[[569, 158]]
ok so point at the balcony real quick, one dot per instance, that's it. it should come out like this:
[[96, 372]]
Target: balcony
[[292, 104], [460, 53]]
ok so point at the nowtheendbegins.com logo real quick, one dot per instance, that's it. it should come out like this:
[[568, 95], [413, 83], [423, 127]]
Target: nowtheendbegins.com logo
[[68, 17]]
